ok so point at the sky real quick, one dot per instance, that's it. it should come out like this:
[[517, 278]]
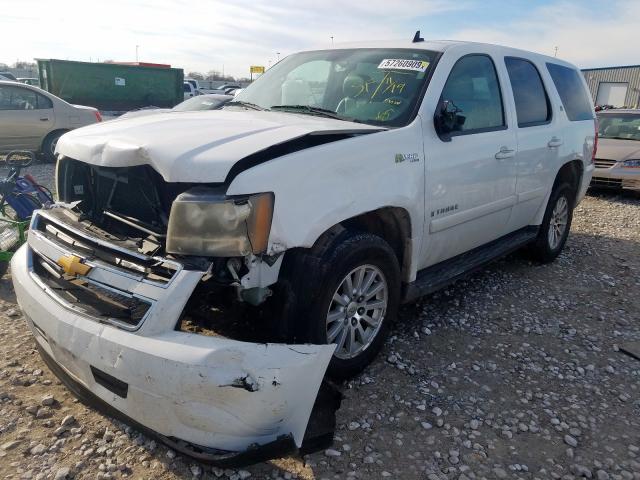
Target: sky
[[234, 34]]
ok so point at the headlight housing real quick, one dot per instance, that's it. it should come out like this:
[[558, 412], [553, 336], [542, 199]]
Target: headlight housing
[[631, 164], [206, 223]]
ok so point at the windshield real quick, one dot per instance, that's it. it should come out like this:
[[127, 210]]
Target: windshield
[[375, 86], [201, 103], [624, 126]]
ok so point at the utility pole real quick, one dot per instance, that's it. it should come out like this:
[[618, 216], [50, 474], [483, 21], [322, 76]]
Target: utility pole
[[555, 51], [278, 54], [137, 46], [331, 40]]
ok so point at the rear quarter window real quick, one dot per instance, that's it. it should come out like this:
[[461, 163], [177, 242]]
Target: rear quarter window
[[572, 92]]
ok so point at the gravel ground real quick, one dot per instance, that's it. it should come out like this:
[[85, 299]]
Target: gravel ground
[[514, 373]]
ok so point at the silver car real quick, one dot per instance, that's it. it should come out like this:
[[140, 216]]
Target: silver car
[[618, 156], [33, 119]]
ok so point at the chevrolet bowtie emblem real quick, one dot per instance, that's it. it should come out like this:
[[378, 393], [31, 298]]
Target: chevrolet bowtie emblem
[[73, 265]]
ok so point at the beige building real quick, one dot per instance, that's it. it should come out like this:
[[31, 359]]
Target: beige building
[[617, 86]]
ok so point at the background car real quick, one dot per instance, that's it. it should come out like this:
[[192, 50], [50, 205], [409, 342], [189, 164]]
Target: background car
[[189, 90], [32, 119], [30, 81], [618, 158], [201, 102]]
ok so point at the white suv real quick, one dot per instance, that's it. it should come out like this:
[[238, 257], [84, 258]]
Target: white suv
[[338, 185]]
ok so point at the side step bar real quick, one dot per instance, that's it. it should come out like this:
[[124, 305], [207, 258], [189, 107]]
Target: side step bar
[[438, 276]]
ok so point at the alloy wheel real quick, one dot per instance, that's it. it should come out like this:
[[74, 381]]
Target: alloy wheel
[[558, 222], [357, 311]]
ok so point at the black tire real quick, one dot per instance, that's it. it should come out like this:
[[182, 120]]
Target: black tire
[[310, 280], [542, 248], [49, 146], [4, 266]]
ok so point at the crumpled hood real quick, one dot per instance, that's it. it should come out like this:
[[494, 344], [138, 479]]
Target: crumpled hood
[[193, 146], [618, 150]]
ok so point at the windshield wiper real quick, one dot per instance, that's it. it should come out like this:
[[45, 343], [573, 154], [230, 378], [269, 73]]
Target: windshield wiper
[[309, 110], [240, 103]]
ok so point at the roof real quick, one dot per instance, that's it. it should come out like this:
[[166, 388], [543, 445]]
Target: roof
[[610, 68], [442, 46]]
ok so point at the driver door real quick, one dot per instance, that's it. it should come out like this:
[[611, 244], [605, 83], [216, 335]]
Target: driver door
[[470, 172]]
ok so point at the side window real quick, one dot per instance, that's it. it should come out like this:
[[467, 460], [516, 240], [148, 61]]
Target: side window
[[532, 102], [473, 90], [572, 92], [16, 98], [43, 102]]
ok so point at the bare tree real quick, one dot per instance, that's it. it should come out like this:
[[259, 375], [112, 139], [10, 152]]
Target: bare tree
[[25, 65], [214, 75], [195, 75]]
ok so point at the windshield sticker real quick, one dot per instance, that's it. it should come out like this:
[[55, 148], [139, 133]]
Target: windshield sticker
[[399, 64], [390, 85]]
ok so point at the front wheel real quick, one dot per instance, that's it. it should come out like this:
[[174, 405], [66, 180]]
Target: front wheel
[[352, 295], [555, 226]]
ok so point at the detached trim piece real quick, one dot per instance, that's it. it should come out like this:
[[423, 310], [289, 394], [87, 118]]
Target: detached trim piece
[[260, 453]]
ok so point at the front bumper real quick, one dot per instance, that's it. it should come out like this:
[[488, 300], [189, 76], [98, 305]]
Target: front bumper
[[616, 176], [217, 396]]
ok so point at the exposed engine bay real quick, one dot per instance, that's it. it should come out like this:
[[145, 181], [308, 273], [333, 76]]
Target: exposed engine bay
[[130, 207], [129, 202]]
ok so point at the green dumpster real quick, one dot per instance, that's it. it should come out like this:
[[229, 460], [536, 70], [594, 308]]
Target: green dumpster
[[112, 86]]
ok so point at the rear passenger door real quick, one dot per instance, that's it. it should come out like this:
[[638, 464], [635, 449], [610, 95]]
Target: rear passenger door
[[470, 174], [539, 138]]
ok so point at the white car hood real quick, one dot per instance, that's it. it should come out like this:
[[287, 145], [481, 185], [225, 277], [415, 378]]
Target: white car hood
[[193, 146]]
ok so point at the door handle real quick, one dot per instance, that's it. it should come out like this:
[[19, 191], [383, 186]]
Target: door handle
[[554, 142], [44, 119], [505, 153]]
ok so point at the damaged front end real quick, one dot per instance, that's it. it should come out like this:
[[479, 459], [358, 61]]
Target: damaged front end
[[135, 208], [111, 309]]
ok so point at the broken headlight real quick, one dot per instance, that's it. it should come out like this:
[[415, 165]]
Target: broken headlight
[[205, 223]]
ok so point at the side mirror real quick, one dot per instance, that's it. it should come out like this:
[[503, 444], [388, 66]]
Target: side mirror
[[448, 119]]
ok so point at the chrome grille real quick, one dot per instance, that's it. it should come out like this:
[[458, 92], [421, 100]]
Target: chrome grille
[[120, 287], [604, 163], [56, 227], [91, 298]]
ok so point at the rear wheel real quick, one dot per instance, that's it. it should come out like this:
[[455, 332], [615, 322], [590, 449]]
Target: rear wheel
[[4, 266], [49, 146], [556, 224]]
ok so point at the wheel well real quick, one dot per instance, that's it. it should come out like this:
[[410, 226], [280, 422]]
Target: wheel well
[[571, 173], [50, 134], [393, 224]]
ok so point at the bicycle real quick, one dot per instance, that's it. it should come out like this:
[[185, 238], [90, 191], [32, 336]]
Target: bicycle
[[19, 197]]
